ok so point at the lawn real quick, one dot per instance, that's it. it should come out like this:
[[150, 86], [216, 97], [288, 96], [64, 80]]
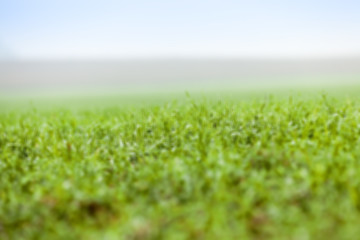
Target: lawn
[[267, 167]]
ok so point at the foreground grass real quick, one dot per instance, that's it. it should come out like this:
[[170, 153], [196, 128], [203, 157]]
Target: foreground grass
[[266, 169]]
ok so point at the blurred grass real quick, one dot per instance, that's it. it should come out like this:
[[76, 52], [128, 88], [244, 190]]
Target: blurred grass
[[103, 97], [259, 164]]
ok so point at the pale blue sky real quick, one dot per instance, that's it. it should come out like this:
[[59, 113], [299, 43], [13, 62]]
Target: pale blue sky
[[58, 29]]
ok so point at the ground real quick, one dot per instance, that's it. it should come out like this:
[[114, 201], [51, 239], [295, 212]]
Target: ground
[[267, 167]]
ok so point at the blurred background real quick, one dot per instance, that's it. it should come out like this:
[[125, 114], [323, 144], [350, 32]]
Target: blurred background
[[104, 47]]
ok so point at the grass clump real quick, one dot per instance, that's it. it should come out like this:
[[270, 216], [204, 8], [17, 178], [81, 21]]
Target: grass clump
[[266, 169]]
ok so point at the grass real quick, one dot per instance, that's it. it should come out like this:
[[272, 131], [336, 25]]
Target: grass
[[200, 168]]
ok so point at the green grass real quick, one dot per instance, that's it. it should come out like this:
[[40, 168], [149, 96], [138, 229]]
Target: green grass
[[200, 168]]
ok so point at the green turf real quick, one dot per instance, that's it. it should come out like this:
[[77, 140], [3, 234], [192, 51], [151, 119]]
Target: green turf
[[197, 168]]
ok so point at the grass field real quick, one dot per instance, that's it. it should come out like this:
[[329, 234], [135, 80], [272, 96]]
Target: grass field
[[267, 167]]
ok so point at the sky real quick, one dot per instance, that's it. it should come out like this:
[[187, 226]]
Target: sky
[[107, 29]]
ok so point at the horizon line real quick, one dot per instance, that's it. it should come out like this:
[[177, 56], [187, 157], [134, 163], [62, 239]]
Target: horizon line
[[180, 58]]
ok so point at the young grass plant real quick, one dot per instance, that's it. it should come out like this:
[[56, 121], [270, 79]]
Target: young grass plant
[[199, 169]]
